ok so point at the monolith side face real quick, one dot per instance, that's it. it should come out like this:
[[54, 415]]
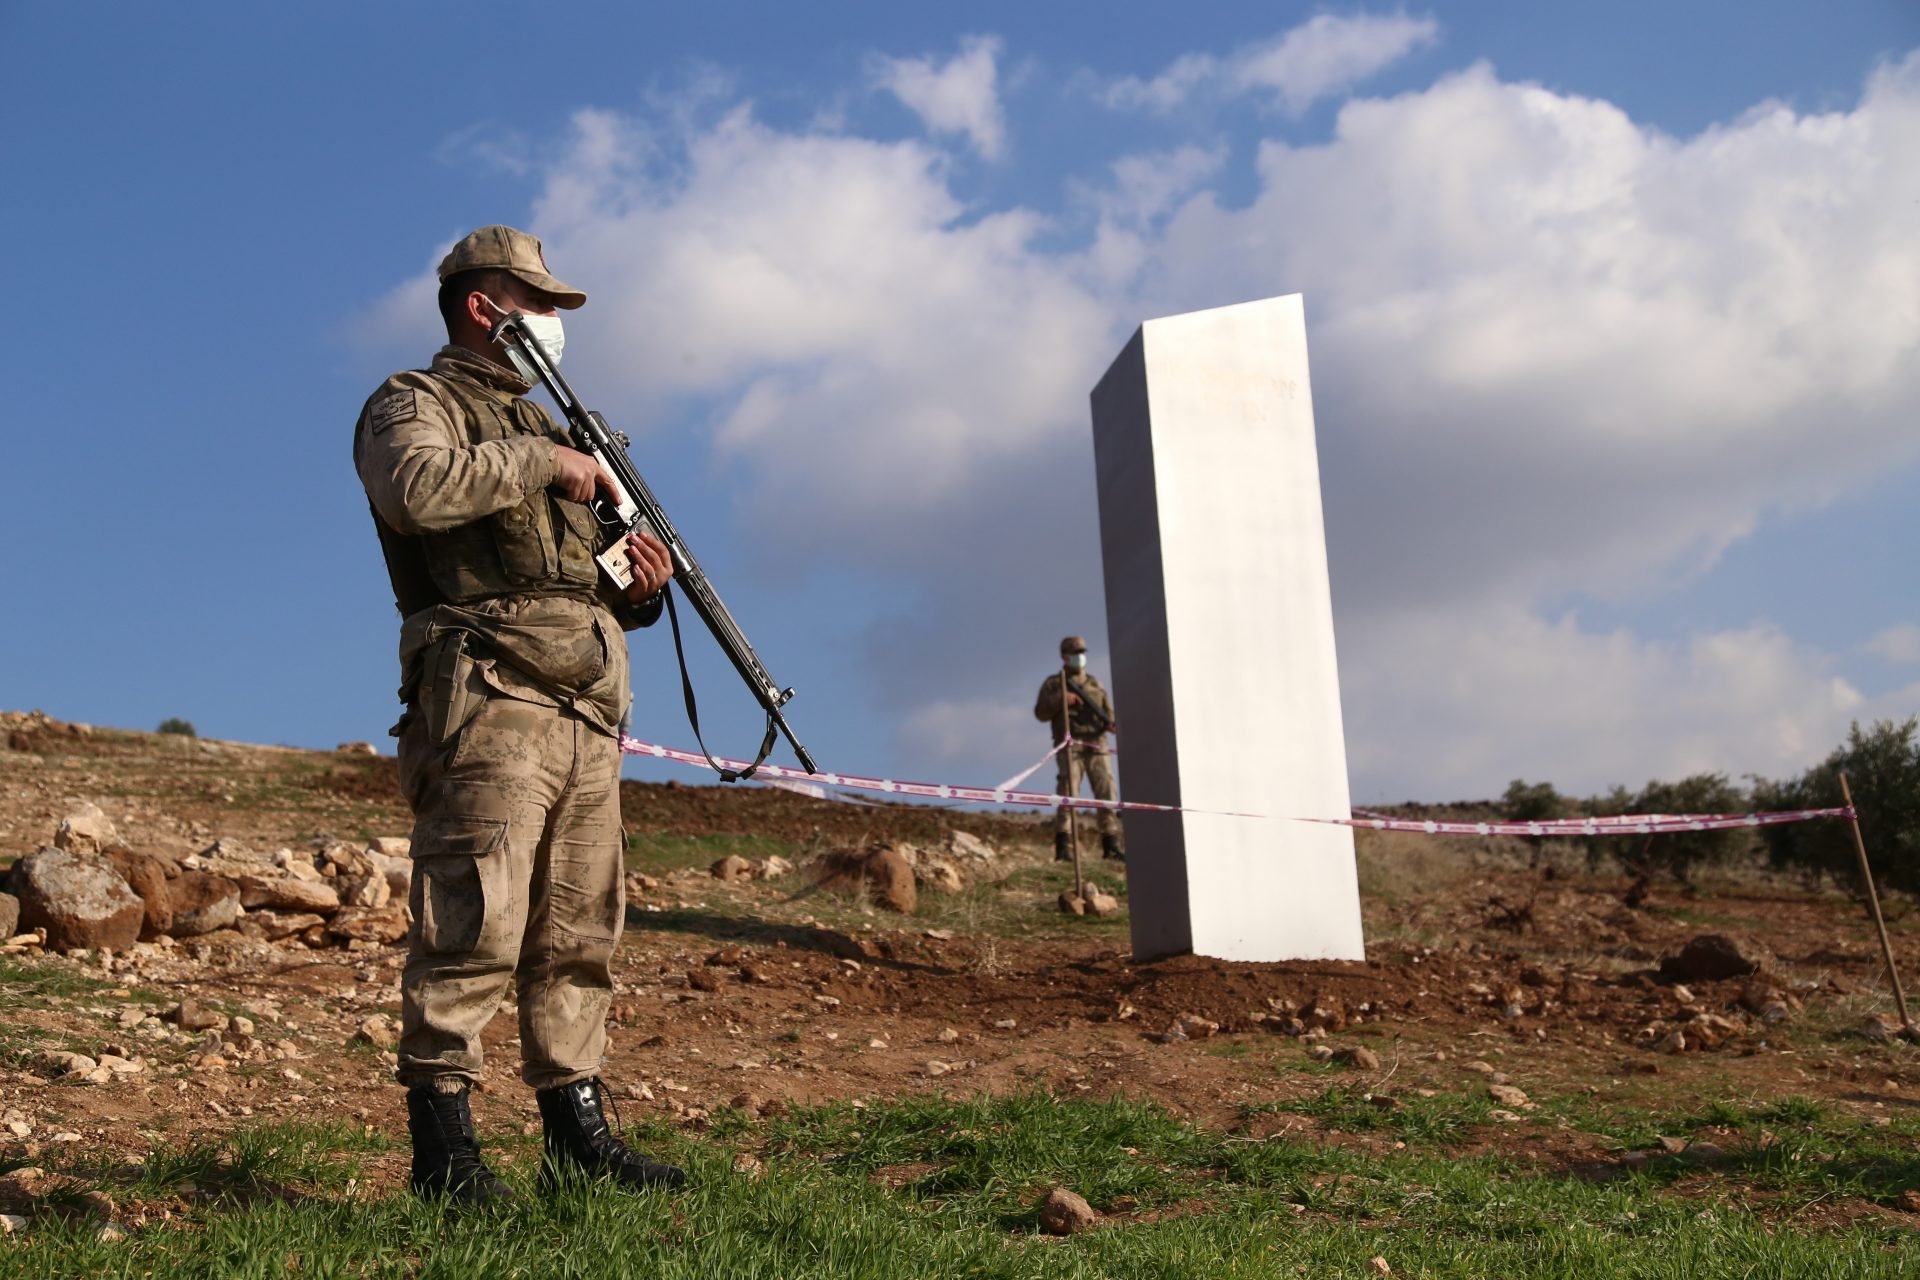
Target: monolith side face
[[1220, 622]]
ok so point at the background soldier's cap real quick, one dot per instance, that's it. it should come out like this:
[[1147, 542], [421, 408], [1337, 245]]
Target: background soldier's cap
[[512, 251], [1073, 644]]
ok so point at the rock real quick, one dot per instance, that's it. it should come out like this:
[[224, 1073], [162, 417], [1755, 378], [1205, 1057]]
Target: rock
[[1880, 1027], [9, 915], [1196, 1027], [54, 1063], [1705, 1152], [1379, 1265], [1320, 1052], [276, 925], [1908, 1202], [202, 903], [146, 876], [356, 749], [377, 1031], [940, 877], [368, 890], [1500, 1115], [85, 830], [708, 980], [391, 847], [1672, 1042], [1508, 1095], [731, 867], [1673, 1146], [1710, 957], [191, 1015], [947, 1035], [1072, 903], [370, 924], [880, 871], [1710, 1030], [964, 847], [283, 893], [1101, 903], [1478, 1066], [1359, 1057], [11, 1223], [772, 868], [935, 1067], [80, 901], [1063, 1213]]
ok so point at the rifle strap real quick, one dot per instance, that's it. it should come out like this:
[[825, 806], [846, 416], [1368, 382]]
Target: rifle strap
[[693, 709]]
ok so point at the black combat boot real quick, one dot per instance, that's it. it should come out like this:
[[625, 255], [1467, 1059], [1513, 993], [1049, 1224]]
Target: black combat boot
[[579, 1141], [446, 1155], [1110, 848], [1062, 852]]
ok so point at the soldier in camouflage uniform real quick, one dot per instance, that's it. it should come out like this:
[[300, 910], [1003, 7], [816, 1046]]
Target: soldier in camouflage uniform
[[1090, 711], [514, 664]]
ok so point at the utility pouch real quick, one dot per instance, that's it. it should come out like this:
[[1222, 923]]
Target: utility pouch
[[451, 690]]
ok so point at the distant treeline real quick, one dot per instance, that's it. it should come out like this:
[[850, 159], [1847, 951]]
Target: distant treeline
[[1882, 764]]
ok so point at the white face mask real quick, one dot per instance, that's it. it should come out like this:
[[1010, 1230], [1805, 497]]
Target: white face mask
[[1077, 661], [552, 337]]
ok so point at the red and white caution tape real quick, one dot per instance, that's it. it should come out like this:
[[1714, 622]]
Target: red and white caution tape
[[1034, 768], [1624, 824]]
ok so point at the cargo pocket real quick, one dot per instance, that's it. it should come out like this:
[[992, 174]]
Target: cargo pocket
[[456, 879]]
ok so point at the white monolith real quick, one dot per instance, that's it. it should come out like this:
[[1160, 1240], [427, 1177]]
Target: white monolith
[[1220, 620]]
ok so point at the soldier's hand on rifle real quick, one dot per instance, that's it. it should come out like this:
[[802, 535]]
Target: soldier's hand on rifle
[[578, 476], [1073, 699], [652, 566]]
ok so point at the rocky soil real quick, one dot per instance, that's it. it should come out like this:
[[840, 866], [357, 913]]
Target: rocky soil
[[255, 972]]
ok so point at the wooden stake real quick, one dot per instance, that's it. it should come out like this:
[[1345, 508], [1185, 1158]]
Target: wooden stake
[[1073, 780], [1873, 900]]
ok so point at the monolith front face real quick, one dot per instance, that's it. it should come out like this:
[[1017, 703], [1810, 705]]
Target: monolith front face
[[1220, 622]]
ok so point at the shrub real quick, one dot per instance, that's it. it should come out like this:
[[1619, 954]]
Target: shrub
[[174, 724], [1882, 764]]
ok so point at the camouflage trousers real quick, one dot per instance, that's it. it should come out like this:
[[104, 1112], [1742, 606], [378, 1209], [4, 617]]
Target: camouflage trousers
[[517, 878], [1072, 762]]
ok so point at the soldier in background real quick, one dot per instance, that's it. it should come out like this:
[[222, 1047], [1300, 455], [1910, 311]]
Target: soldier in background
[[1089, 712], [514, 675]]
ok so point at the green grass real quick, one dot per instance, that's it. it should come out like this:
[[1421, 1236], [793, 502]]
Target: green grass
[[926, 1187], [656, 854]]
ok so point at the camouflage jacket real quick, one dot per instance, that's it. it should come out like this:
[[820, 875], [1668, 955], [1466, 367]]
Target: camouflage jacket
[[1092, 719], [456, 464]]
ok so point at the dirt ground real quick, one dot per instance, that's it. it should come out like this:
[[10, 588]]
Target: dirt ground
[[754, 994]]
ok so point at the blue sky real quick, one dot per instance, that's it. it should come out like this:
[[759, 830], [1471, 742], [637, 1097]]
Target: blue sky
[[1612, 310]]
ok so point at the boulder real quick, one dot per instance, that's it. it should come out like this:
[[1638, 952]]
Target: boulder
[[146, 875], [881, 871], [80, 901], [275, 925], [1101, 903], [85, 830], [9, 915], [283, 893], [731, 867], [965, 848], [940, 876], [202, 903], [370, 924], [391, 846], [1707, 958]]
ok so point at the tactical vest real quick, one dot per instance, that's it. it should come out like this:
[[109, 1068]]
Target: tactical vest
[[544, 546]]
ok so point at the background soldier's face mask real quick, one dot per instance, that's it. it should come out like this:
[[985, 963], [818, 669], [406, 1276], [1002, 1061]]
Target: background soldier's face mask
[[1077, 661]]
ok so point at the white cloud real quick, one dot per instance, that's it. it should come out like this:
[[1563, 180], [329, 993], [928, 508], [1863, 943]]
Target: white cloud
[[959, 96], [1452, 704], [1555, 354], [1899, 645], [1321, 58]]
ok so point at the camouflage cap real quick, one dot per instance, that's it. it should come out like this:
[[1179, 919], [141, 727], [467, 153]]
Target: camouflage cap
[[1073, 644], [515, 252]]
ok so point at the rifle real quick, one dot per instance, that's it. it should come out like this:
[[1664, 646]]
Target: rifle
[[640, 512], [1102, 724]]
